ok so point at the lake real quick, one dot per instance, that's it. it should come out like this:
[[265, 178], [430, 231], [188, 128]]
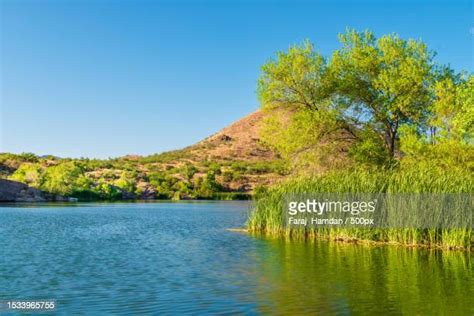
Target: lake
[[168, 258]]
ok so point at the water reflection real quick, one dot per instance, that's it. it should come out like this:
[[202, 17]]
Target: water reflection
[[322, 277]]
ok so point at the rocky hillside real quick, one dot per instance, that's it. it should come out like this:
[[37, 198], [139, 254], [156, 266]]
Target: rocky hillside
[[239, 141], [232, 161]]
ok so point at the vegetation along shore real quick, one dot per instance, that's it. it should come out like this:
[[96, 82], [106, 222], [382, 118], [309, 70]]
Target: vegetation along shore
[[231, 164], [377, 116]]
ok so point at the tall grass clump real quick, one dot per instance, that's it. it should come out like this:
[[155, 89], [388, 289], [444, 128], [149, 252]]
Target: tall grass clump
[[267, 218]]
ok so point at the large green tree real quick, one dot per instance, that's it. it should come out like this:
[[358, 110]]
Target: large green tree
[[294, 88], [367, 91], [383, 83]]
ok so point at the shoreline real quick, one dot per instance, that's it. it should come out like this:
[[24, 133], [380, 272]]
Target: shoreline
[[366, 242], [123, 201]]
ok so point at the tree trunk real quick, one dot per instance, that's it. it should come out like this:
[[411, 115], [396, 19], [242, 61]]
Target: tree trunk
[[391, 139]]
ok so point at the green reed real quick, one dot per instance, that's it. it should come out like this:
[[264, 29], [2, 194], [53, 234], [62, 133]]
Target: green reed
[[267, 218]]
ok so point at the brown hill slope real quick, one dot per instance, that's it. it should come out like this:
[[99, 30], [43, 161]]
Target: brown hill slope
[[238, 141], [244, 162]]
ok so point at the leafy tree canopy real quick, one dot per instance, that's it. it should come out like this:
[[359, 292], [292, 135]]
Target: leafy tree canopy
[[366, 99]]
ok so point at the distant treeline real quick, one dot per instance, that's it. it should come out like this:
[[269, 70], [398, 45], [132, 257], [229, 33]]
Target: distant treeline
[[162, 176]]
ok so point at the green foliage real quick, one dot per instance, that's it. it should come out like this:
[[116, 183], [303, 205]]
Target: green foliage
[[207, 187], [28, 173], [239, 166], [369, 84], [453, 110], [62, 178], [231, 196], [259, 192], [165, 157], [93, 179], [190, 171], [94, 164], [267, 215], [304, 137], [463, 121], [388, 81], [28, 157], [215, 168], [294, 78], [106, 192], [264, 167], [127, 181], [228, 175], [21, 158], [369, 149], [163, 184], [67, 178]]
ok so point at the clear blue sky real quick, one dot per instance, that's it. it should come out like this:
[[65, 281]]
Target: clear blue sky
[[108, 78]]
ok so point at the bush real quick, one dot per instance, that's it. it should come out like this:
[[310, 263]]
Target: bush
[[127, 181], [28, 173], [63, 178]]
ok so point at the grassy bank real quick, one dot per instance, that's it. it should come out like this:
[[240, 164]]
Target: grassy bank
[[267, 218]]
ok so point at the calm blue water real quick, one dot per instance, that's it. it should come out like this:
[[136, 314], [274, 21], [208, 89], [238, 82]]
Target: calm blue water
[[175, 258]]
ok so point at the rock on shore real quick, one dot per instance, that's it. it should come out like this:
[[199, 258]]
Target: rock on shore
[[12, 191]]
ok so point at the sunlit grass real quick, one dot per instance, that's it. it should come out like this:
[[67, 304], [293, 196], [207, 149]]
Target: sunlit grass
[[267, 217]]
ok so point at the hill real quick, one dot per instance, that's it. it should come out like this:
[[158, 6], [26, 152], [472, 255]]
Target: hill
[[229, 164], [239, 141]]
